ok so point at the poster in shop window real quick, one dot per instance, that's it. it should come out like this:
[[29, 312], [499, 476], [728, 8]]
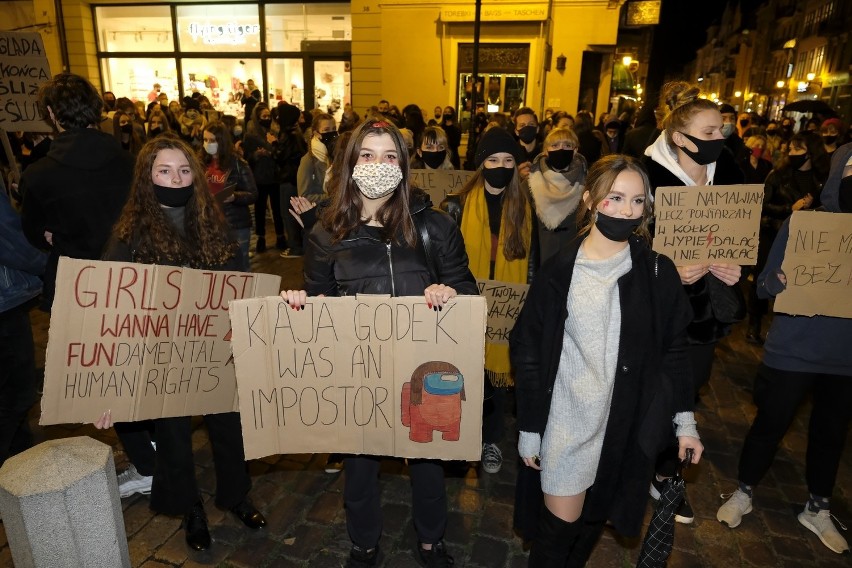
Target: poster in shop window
[[144, 341], [361, 375]]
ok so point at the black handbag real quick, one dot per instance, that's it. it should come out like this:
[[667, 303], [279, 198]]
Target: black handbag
[[727, 302]]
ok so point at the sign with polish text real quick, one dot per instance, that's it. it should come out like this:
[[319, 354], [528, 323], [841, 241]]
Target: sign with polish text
[[361, 375], [505, 300], [23, 68], [818, 265], [439, 183], [708, 224], [142, 340]]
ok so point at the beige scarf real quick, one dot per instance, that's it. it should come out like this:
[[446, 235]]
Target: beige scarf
[[554, 196]]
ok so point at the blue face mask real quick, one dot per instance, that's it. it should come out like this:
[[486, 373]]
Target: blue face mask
[[728, 129]]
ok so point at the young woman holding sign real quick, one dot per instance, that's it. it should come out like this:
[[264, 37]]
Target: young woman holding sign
[[171, 219], [802, 355], [368, 241], [691, 152], [599, 352]]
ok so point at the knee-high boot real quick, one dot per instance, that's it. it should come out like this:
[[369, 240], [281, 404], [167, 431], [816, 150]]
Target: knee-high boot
[[554, 541], [587, 538]]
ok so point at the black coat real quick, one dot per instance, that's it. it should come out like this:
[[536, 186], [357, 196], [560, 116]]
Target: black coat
[[362, 263], [705, 328], [652, 383], [76, 192], [245, 193]]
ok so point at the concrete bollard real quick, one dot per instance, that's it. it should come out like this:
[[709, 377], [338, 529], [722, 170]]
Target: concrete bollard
[[60, 506]]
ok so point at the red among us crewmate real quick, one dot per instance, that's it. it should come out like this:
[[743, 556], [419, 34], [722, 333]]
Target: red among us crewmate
[[432, 401]]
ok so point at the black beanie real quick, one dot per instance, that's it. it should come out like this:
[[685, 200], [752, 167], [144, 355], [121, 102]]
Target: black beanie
[[288, 115], [727, 109], [497, 140]]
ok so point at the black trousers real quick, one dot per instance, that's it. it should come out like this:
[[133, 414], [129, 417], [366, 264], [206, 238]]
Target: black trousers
[[493, 423], [268, 192], [777, 394], [362, 499], [136, 437], [175, 490], [291, 226], [17, 381]]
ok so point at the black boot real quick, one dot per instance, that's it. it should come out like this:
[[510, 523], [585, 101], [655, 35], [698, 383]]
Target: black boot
[[195, 525], [554, 541], [753, 334], [260, 246]]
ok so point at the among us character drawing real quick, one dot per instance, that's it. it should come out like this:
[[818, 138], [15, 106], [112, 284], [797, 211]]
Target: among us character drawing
[[432, 401]]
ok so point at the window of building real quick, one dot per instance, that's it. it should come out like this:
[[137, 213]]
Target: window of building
[[135, 78], [286, 81], [134, 28], [222, 81], [289, 25], [219, 28]]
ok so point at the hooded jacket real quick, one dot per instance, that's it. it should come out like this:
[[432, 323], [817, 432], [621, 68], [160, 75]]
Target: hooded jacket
[[76, 193], [817, 344]]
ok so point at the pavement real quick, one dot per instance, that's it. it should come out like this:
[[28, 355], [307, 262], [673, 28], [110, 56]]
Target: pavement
[[306, 522]]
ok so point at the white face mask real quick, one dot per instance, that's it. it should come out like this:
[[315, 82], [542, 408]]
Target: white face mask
[[211, 148], [376, 180]]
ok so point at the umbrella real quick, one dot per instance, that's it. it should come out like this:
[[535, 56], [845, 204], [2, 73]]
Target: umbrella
[[811, 105], [659, 539]]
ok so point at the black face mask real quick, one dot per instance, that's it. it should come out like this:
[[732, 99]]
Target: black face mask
[[433, 159], [616, 228], [844, 197], [328, 139], [829, 140], [559, 159], [265, 122], [743, 123], [797, 162], [154, 131], [773, 133], [708, 150], [173, 196], [498, 178], [527, 134], [127, 128], [447, 117]]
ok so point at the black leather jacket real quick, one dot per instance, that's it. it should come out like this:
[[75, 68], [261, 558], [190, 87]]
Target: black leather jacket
[[364, 264], [452, 205]]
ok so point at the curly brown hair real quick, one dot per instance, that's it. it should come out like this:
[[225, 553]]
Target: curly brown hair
[[144, 227]]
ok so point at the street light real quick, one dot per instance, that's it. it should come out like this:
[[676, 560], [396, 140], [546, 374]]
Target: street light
[[811, 77], [738, 94], [627, 60], [780, 84]]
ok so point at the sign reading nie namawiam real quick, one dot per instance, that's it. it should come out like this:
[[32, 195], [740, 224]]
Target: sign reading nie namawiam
[[23, 68], [361, 375], [708, 224], [142, 340]]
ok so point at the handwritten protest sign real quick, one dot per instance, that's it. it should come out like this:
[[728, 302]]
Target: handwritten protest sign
[[505, 301], [362, 375], [23, 68], [818, 265], [715, 223], [144, 341], [438, 183]]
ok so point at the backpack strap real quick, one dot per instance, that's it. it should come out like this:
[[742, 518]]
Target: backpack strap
[[426, 243]]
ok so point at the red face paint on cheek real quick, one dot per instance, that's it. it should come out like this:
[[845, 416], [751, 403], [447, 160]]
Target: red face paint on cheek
[[606, 203]]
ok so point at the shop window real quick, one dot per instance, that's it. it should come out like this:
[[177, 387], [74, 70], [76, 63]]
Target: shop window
[[219, 28], [135, 78], [289, 25], [134, 28], [332, 87], [222, 81], [286, 81]]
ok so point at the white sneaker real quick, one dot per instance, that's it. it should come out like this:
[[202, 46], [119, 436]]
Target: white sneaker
[[492, 458], [731, 512], [820, 524], [131, 481]]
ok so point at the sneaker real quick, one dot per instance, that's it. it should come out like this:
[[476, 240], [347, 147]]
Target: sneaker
[[492, 458], [334, 463], [684, 514], [656, 488], [820, 524], [131, 481], [363, 558], [290, 253], [731, 512], [436, 557]]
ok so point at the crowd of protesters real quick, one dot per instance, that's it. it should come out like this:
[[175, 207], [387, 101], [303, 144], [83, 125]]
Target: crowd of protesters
[[556, 201]]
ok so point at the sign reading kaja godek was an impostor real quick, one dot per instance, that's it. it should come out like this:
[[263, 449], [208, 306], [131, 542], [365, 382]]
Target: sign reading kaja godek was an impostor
[[818, 265], [505, 301], [361, 375], [708, 224], [143, 341]]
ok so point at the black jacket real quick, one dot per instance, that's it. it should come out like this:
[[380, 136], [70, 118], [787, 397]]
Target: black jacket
[[452, 205], [76, 192], [653, 378], [705, 328], [782, 189], [364, 264]]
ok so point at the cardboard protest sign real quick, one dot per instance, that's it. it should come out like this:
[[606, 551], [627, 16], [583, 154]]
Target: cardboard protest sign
[[818, 265], [438, 183], [23, 68], [361, 375], [505, 300], [144, 341], [714, 223]]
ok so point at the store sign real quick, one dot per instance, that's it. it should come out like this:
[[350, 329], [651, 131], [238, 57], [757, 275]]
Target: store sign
[[496, 13], [646, 13], [231, 33], [23, 68]]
